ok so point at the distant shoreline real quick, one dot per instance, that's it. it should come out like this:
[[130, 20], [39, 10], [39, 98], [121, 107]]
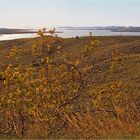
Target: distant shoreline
[[24, 33], [6, 31], [110, 28], [69, 32]]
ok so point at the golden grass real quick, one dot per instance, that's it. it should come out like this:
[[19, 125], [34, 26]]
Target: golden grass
[[49, 90]]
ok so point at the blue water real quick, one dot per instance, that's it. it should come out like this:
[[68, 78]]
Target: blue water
[[67, 33]]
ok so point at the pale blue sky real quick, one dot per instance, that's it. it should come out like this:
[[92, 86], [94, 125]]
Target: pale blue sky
[[41, 13]]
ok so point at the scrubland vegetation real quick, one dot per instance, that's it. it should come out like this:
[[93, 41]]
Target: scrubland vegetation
[[82, 88]]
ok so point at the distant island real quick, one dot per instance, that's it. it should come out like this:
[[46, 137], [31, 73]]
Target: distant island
[[111, 28]]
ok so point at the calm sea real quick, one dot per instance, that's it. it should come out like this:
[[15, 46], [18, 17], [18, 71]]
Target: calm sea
[[67, 33]]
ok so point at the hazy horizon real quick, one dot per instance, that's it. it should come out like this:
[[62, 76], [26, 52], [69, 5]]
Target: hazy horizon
[[77, 13]]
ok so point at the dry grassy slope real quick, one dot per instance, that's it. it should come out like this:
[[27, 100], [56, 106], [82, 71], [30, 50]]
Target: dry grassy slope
[[127, 70]]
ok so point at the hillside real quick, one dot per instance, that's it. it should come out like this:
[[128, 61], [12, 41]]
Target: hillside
[[113, 95]]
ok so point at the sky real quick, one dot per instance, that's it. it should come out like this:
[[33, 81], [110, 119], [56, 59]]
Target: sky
[[54, 13]]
